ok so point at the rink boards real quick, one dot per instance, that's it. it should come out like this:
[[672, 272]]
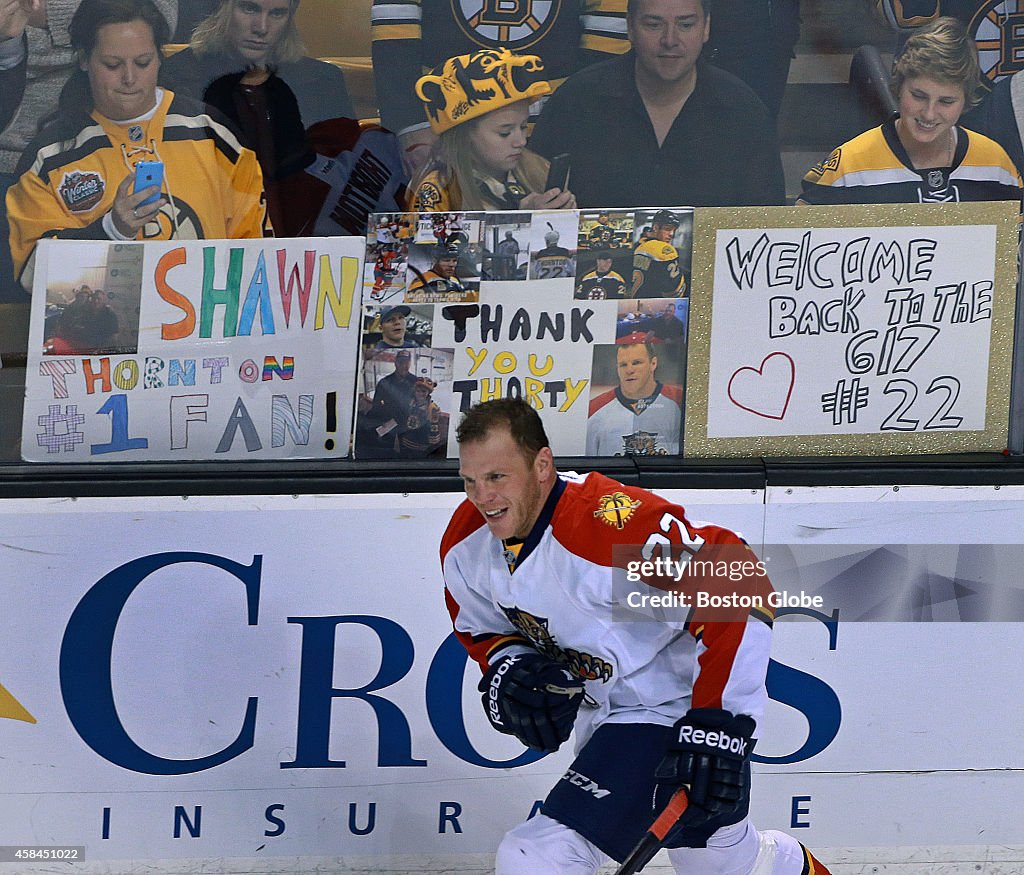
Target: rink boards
[[274, 676]]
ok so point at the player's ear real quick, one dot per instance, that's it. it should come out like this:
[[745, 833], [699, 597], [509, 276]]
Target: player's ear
[[544, 463]]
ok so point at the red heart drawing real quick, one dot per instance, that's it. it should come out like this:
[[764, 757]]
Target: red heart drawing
[[760, 390]]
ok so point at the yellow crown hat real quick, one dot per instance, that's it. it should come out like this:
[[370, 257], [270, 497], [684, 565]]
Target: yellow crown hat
[[468, 86]]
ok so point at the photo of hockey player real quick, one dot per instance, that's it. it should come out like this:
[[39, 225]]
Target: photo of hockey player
[[92, 310], [658, 321], [636, 399], [438, 273], [549, 259], [661, 259], [404, 408], [507, 247], [387, 252], [599, 277], [605, 230], [397, 327]]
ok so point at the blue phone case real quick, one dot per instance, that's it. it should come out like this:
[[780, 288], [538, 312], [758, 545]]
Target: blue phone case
[[149, 173]]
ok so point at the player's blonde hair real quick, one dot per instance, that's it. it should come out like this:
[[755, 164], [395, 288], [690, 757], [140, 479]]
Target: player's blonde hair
[[211, 35], [944, 51]]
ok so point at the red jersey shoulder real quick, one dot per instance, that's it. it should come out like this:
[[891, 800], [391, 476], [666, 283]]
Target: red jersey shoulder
[[600, 401], [466, 520], [597, 513], [673, 393]]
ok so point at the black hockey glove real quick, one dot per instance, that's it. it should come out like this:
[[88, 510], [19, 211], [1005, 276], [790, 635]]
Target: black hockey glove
[[708, 753], [533, 698]]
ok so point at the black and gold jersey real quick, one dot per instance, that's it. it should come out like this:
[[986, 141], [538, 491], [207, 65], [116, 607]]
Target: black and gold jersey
[[874, 168], [656, 271]]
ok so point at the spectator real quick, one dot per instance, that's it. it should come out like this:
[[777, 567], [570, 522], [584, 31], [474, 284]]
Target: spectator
[[410, 36], [35, 62], [247, 61], [641, 416], [248, 57], [80, 187], [477, 105], [924, 155], [659, 127]]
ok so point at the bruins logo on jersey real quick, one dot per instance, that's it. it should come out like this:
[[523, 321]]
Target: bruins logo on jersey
[[998, 31], [831, 163], [514, 24], [616, 509], [428, 197], [585, 666]]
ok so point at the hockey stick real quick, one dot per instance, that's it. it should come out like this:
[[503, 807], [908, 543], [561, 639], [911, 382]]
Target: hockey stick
[[650, 844]]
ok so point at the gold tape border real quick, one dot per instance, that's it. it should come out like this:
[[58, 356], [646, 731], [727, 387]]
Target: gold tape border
[[707, 222]]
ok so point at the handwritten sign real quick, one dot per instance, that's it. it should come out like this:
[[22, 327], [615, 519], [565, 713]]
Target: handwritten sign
[[236, 349], [889, 331], [460, 308]]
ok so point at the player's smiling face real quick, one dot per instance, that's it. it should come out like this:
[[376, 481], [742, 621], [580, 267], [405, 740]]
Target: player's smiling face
[[928, 110], [498, 138], [667, 36], [636, 371], [506, 487]]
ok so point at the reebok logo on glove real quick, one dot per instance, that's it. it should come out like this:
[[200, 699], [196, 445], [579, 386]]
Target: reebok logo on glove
[[494, 687], [718, 740]]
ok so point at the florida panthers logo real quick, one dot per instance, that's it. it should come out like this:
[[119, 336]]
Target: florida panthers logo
[[998, 30], [514, 24], [582, 665]]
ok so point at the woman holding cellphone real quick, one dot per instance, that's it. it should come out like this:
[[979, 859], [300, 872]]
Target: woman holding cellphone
[[77, 179], [477, 104]]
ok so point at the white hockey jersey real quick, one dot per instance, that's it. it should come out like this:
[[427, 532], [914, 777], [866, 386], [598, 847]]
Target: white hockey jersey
[[649, 427], [564, 598]]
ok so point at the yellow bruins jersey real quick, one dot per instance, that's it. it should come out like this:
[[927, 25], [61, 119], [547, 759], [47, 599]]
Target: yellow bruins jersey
[[656, 271], [71, 173], [875, 168]]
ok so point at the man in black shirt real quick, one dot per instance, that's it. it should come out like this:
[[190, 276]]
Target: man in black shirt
[[685, 132]]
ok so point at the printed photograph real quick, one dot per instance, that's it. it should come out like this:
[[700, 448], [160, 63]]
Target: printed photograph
[[663, 247], [93, 309], [636, 398], [405, 404]]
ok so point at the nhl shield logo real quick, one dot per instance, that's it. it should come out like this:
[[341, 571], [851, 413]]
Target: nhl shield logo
[[81, 191], [514, 24]]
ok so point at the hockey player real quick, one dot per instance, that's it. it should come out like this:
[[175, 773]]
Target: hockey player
[[552, 261], [656, 270], [642, 416], [924, 155], [602, 282], [529, 563], [441, 282]]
